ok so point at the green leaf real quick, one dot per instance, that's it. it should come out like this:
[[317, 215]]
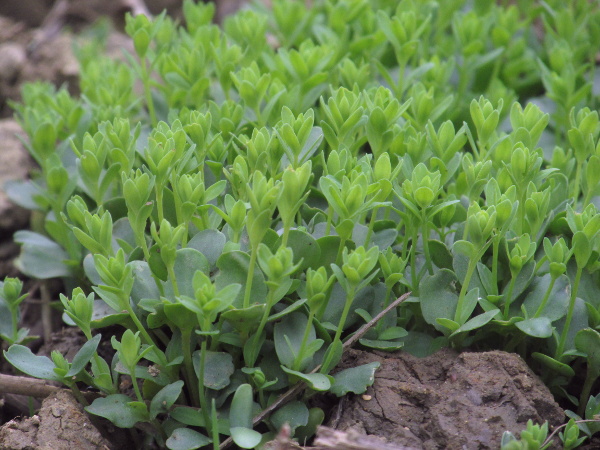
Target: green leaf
[[119, 409], [393, 333], [144, 285], [316, 416], [41, 257], [336, 350], [210, 243], [464, 248], [165, 398], [354, 379], [83, 356], [539, 327], [437, 296], [36, 366], [245, 437], [240, 414], [240, 418], [476, 322], [187, 262], [440, 255], [448, 323], [378, 344], [558, 300], [233, 267], [305, 247], [180, 316], [186, 439], [316, 381], [218, 368], [588, 342], [188, 416], [295, 414], [288, 335], [244, 320], [553, 364]]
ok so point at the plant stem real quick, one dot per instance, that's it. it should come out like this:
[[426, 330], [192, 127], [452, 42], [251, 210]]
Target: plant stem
[[495, 251], [329, 220], [371, 226], [349, 300], [145, 336], [148, 92], [545, 299], [508, 299], [173, 277], [413, 263], [285, 235], [261, 327], [386, 302], [201, 393], [465, 287], [575, 192], [425, 237], [585, 392], [563, 337], [134, 382], [215, 426], [299, 357], [186, 340], [338, 258], [250, 277]]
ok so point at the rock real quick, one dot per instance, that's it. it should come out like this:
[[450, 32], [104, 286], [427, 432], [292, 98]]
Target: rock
[[60, 425], [448, 400], [12, 59], [15, 164]]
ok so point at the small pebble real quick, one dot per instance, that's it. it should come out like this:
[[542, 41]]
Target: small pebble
[[12, 59]]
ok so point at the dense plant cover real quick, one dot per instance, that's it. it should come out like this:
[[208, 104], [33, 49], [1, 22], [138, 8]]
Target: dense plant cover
[[241, 200]]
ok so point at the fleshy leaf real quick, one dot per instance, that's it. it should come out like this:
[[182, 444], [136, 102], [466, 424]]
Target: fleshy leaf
[[119, 409], [36, 366], [316, 381], [186, 439], [165, 398], [354, 379]]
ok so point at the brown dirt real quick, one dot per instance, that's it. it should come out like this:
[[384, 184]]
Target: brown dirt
[[447, 400], [61, 424]]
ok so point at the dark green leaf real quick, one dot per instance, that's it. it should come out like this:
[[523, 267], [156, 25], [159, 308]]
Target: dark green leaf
[[210, 243], [165, 398], [539, 327], [437, 296], [36, 366], [554, 365], [186, 439], [588, 342], [295, 414], [355, 379], [119, 409], [316, 381], [83, 356], [41, 257], [218, 368], [234, 268]]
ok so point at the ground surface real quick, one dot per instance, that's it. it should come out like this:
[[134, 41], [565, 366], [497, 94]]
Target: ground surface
[[448, 400]]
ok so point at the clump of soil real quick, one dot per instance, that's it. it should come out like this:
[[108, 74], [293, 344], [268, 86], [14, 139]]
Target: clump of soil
[[447, 400], [61, 424]]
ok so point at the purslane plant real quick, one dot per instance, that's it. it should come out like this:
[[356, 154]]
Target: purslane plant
[[254, 203]]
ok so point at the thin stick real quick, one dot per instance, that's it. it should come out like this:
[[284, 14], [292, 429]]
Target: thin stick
[[298, 388], [32, 387]]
